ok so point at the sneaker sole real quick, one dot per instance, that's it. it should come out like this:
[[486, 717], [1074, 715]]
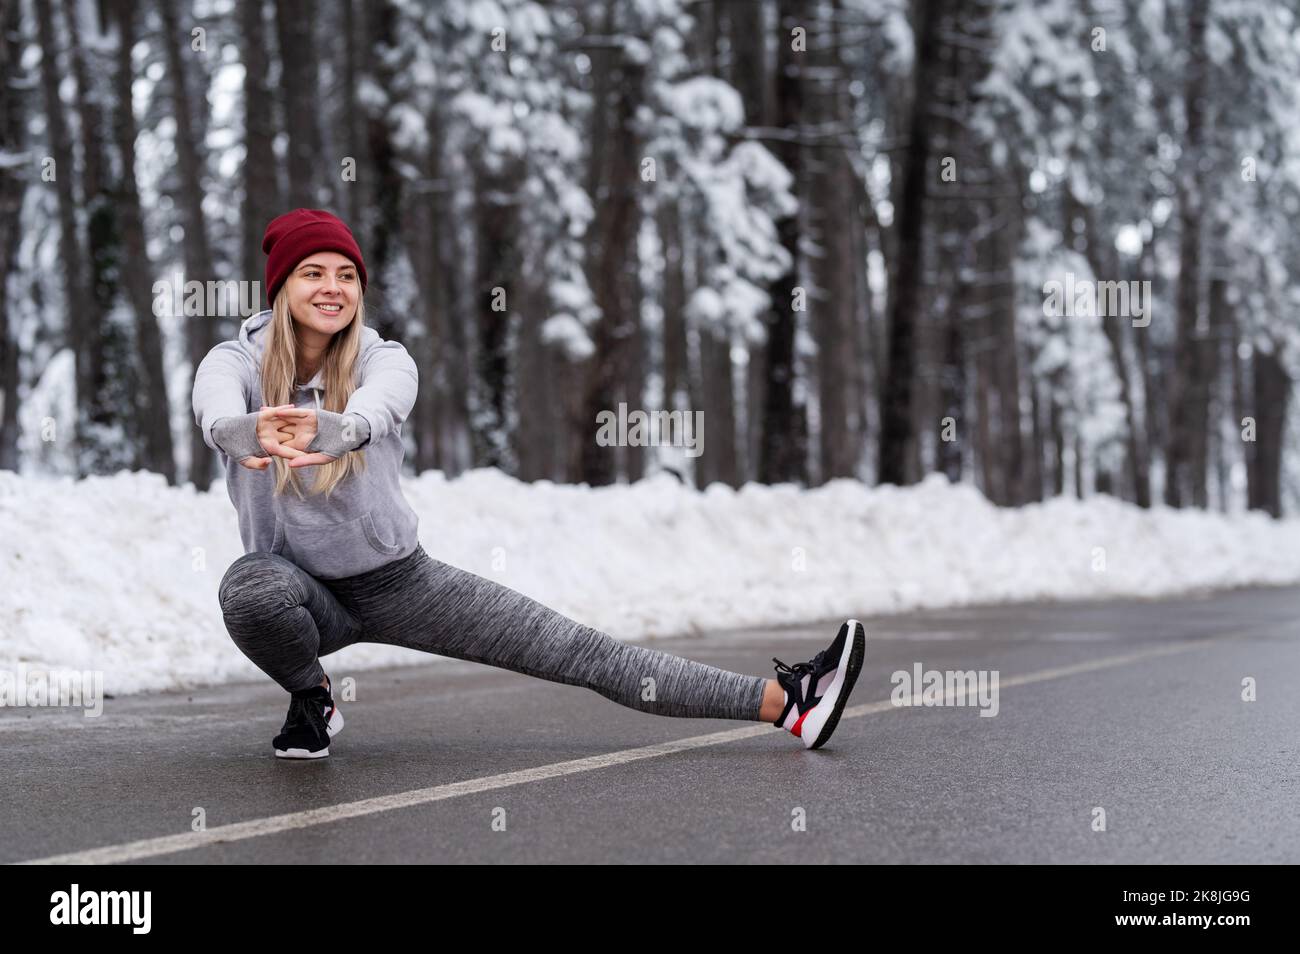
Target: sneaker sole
[[332, 727], [302, 753], [855, 647]]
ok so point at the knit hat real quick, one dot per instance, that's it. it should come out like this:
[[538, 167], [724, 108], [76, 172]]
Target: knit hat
[[293, 236]]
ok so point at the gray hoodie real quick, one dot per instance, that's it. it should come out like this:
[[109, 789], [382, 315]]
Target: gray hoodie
[[365, 522]]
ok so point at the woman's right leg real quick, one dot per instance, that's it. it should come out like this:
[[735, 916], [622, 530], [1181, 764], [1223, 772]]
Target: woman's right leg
[[423, 603], [282, 618]]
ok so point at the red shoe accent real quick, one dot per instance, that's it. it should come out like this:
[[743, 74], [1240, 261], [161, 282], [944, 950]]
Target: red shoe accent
[[796, 729]]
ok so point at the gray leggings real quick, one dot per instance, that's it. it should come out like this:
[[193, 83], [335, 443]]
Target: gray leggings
[[283, 619]]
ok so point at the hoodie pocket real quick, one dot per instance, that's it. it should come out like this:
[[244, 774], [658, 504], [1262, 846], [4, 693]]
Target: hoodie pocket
[[376, 541], [336, 549]]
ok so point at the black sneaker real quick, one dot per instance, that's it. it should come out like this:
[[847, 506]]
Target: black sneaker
[[313, 718], [817, 690]]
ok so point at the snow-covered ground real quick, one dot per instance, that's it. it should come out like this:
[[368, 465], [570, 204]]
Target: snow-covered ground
[[120, 573]]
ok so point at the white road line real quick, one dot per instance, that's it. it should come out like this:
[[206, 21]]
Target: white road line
[[238, 831]]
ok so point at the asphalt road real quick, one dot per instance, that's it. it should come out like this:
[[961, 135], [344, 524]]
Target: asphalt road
[[1134, 708]]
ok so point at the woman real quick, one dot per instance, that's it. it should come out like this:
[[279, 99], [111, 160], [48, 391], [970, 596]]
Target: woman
[[310, 403]]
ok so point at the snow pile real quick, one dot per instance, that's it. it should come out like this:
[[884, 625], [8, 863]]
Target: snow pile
[[120, 573]]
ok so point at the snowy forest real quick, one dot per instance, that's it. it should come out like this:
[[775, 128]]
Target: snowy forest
[[1042, 247]]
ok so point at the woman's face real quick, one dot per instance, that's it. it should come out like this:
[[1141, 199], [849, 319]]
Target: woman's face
[[323, 291]]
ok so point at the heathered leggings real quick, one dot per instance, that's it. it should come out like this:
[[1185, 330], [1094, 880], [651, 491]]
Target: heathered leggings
[[284, 619]]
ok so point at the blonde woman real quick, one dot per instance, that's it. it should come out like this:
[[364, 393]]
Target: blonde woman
[[309, 403]]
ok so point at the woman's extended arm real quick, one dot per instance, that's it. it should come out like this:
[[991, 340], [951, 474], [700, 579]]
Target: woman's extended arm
[[389, 382], [237, 436], [221, 390], [336, 434]]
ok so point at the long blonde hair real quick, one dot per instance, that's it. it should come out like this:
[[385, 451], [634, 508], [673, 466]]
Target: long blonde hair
[[279, 377]]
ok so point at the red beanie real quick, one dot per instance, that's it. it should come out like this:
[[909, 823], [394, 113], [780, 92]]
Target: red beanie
[[293, 236]]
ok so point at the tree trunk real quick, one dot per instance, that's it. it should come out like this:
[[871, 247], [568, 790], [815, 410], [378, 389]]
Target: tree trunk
[[351, 195], [668, 219], [896, 430], [1238, 385], [309, 180], [1272, 393], [948, 457], [1148, 369], [1185, 456], [78, 333], [719, 409], [834, 297], [781, 457], [985, 446], [1214, 363], [1104, 266], [108, 346], [535, 409], [13, 140], [612, 263], [1057, 428], [864, 380], [150, 398], [382, 187], [197, 254], [262, 200], [1004, 239], [1034, 472], [498, 260], [432, 268], [750, 73]]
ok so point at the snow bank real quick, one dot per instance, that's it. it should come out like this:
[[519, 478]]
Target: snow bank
[[120, 573]]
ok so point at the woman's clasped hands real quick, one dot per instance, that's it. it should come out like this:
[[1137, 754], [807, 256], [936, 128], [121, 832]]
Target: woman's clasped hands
[[286, 431]]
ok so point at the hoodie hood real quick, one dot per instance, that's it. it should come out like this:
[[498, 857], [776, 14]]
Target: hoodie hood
[[253, 334]]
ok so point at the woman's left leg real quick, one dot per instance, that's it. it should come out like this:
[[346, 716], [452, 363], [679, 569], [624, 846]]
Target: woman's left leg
[[422, 603]]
